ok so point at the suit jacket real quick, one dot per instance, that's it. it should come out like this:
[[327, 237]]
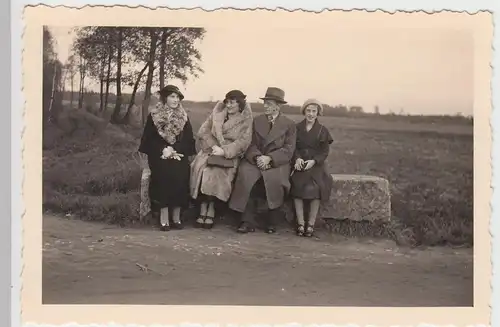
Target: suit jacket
[[277, 143]]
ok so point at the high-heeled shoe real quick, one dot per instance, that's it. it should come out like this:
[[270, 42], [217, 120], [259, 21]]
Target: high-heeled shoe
[[208, 223], [309, 231], [177, 225], [200, 222], [300, 230]]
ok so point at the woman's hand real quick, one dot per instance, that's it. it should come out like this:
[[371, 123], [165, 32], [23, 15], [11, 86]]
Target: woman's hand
[[217, 151], [309, 164], [170, 153], [167, 152], [299, 163], [177, 156]]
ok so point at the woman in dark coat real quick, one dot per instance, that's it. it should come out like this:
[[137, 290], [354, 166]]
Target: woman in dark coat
[[310, 181], [168, 141]]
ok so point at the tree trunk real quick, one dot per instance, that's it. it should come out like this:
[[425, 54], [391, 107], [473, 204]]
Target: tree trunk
[[126, 118], [108, 77], [72, 77], [101, 86], [82, 83], [118, 105], [80, 94], [62, 86], [149, 80], [163, 48], [53, 92]]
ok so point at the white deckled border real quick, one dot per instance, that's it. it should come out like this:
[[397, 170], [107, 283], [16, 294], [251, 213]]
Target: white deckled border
[[386, 5]]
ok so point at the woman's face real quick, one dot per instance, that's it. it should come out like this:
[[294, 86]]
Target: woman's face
[[173, 100], [311, 112], [232, 106]]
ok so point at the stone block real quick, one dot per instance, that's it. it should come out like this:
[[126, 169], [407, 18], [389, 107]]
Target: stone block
[[358, 198]]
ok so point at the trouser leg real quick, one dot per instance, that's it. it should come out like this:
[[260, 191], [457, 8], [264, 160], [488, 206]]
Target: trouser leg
[[248, 216]]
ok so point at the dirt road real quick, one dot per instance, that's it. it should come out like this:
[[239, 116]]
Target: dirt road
[[92, 263]]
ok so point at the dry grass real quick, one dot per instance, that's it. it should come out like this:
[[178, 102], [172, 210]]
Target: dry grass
[[95, 176]]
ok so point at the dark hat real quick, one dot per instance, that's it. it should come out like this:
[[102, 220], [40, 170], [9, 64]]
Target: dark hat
[[235, 94], [276, 94], [169, 89]]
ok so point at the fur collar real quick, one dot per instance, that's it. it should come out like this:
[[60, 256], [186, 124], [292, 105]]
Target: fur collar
[[220, 126], [169, 122]]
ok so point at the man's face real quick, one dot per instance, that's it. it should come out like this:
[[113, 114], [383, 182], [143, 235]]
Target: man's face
[[271, 107]]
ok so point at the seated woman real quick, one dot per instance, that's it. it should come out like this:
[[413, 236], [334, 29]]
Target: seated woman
[[168, 141], [224, 137], [310, 180]]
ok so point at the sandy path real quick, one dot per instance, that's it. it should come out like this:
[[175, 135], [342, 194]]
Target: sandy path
[[96, 264]]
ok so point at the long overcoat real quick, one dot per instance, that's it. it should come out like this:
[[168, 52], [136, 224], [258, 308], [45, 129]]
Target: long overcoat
[[279, 144], [169, 183], [233, 135], [312, 145]]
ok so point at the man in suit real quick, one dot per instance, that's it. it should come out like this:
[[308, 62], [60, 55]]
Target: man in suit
[[265, 169]]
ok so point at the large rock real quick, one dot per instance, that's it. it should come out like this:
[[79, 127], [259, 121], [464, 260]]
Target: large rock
[[353, 197], [358, 197]]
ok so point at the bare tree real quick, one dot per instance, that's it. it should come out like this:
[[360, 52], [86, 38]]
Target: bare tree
[[52, 69], [111, 54], [153, 34]]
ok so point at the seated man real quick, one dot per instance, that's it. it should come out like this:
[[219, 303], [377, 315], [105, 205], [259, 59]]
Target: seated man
[[265, 170]]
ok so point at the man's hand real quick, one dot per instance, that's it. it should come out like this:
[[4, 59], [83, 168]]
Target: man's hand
[[309, 164], [264, 162]]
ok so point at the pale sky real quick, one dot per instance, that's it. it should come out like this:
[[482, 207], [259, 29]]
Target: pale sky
[[419, 70]]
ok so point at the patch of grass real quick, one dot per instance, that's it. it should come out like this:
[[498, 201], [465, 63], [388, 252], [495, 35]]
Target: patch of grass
[[95, 178], [95, 175]]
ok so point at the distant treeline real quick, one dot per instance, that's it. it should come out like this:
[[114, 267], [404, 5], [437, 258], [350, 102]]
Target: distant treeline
[[92, 99]]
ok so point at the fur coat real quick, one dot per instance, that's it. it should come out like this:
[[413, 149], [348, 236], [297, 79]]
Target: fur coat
[[234, 137]]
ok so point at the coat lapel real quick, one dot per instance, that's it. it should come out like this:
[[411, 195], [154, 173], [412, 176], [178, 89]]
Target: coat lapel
[[279, 128], [218, 116], [261, 125], [308, 137]]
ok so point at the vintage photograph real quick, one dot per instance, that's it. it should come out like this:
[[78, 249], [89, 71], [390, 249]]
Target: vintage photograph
[[276, 165]]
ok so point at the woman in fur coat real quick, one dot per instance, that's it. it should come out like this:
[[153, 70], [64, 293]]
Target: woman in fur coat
[[223, 137]]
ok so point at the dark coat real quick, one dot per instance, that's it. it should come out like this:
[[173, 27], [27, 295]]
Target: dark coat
[[169, 185], [279, 144], [313, 144]]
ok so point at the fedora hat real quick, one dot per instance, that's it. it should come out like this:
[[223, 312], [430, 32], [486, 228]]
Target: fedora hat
[[169, 89], [276, 94]]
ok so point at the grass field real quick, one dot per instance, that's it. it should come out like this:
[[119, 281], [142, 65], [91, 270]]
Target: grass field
[[92, 173]]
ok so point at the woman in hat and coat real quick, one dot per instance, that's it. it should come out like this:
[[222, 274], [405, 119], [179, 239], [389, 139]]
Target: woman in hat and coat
[[223, 137], [168, 141], [310, 181]]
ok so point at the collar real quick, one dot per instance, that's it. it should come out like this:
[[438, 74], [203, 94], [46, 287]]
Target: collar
[[272, 119]]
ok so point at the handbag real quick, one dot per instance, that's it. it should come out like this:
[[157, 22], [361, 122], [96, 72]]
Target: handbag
[[219, 161]]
